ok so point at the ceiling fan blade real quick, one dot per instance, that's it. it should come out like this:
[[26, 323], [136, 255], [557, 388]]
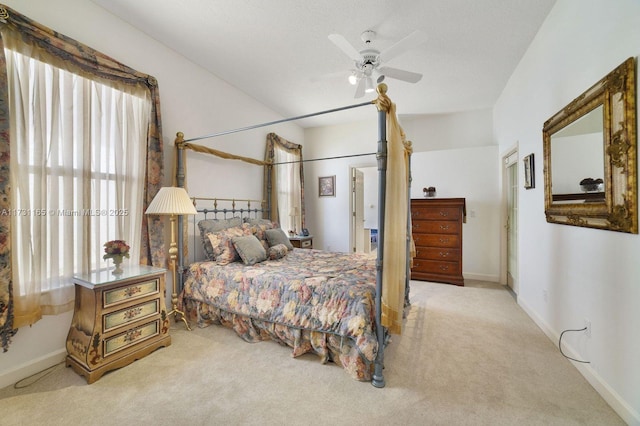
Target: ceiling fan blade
[[360, 88], [345, 46], [408, 76], [411, 41]]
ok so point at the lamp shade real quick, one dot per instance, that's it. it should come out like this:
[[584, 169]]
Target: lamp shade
[[171, 200]]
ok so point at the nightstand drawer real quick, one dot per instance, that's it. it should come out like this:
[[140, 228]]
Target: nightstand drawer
[[131, 337], [129, 315], [302, 242], [131, 292], [305, 244]]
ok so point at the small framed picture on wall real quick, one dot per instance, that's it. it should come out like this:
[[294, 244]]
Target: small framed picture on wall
[[327, 186], [529, 172]]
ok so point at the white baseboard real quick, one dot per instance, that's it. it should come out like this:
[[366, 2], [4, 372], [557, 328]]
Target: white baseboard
[[481, 277], [32, 367], [619, 405]]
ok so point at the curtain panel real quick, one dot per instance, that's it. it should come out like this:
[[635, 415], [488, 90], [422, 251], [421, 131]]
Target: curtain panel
[[35, 40], [396, 220], [276, 143]]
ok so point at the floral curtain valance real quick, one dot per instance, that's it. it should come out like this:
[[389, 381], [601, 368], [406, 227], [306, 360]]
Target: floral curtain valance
[[35, 40]]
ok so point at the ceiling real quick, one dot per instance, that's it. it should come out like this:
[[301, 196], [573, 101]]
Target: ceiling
[[278, 51]]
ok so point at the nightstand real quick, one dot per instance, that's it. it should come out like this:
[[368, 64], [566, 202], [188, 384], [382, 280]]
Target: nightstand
[[300, 241], [117, 319]]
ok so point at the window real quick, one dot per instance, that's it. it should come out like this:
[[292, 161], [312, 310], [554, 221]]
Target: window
[[77, 172], [288, 186]]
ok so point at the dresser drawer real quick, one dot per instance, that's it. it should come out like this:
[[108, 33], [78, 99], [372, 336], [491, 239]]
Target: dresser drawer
[[130, 337], [443, 253], [129, 315], [435, 213], [436, 267], [131, 292], [436, 227], [435, 240]]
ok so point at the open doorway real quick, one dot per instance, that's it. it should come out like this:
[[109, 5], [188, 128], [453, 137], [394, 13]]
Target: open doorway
[[510, 237], [364, 208]]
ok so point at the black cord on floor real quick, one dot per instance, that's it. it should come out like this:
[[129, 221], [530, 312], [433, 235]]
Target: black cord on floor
[[35, 377], [566, 356]]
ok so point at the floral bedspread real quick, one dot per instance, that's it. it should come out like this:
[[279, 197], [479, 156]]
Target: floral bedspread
[[308, 290]]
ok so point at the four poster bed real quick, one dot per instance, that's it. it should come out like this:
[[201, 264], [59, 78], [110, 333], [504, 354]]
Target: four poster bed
[[340, 306]]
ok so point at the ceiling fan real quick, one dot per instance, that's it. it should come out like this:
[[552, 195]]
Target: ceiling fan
[[368, 61]]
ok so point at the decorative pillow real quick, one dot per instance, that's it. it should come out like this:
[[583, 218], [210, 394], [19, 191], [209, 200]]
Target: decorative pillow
[[256, 221], [223, 251], [259, 232], [277, 252], [277, 236], [208, 226], [250, 249]]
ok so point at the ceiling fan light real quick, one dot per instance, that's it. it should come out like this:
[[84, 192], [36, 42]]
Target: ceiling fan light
[[353, 80], [368, 88]]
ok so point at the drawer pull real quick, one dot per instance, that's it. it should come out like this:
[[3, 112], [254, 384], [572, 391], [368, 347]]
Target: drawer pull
[[444, 227], [132, 313], [131, 291], [444, 267], [444, 254], [444, 214], [444, 240]]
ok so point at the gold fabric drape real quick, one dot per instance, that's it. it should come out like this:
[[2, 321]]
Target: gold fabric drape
[[43, 43], [394, 272]]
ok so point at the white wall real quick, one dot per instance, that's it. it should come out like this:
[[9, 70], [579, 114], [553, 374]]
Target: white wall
[[586, 273], [469, 168], [192, 101]]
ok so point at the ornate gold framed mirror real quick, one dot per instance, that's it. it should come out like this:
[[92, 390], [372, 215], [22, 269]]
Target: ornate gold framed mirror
[[590, 154]]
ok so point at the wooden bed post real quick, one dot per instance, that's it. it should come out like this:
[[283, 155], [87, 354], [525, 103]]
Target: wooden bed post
[[378, 377]]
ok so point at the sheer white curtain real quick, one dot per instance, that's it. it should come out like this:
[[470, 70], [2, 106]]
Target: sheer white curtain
[[288, 188], [77, 174]]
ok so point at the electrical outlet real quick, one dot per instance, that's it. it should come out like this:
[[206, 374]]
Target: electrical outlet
[[587, 326], [545, 296]]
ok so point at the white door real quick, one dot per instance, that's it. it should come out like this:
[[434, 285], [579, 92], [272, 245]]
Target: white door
[[511, 192], [357, 214]]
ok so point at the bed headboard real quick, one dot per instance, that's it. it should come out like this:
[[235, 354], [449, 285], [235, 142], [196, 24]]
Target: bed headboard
[[218, 208]]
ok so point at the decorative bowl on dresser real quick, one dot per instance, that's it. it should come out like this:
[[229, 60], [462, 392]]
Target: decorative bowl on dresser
[[117, 319], [437, 233]]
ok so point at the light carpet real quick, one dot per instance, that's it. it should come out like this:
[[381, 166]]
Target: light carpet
[[467, 356]]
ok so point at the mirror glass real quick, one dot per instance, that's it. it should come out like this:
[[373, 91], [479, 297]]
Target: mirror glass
[[577, 169], [590, 152]]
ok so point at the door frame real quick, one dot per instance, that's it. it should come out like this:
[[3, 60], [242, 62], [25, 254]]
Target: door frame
[[352, 205], [510, 157]]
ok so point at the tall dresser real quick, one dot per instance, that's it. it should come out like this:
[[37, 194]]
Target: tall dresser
[[437, 234]]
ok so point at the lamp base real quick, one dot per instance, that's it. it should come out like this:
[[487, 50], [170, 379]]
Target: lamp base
[[175, 312]]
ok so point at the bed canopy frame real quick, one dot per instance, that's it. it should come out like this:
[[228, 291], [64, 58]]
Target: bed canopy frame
[[383, 105]]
